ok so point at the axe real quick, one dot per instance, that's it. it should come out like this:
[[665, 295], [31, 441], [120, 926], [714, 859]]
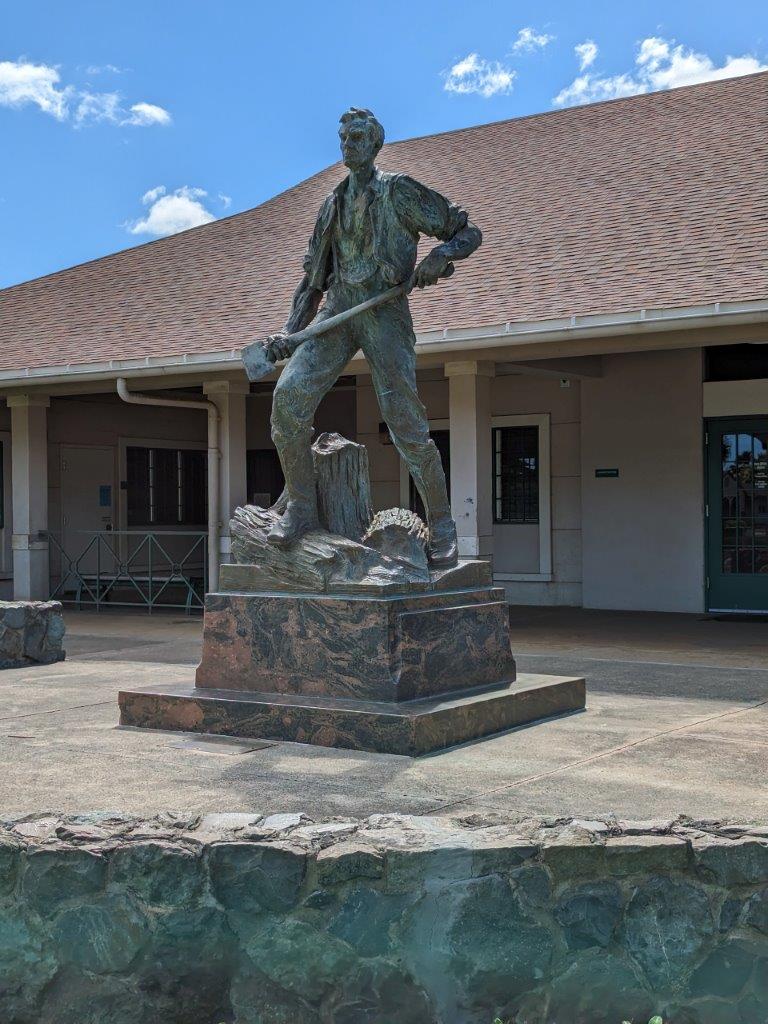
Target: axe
[[258, 360]]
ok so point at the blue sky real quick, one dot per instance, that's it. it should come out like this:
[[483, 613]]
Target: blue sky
[[124, 121]]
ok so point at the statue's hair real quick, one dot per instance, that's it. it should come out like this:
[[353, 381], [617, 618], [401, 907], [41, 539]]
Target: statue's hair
[[363, 114]]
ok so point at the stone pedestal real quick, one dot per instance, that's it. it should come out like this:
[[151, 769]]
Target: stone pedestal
[[402, 675], [393, 649]]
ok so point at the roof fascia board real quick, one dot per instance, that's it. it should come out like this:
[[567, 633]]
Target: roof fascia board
[[449, 340]]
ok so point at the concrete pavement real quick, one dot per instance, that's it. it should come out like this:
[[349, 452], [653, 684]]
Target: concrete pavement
[[677, 722]]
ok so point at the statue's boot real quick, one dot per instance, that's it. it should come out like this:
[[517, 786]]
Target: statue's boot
[[443, 546], [300, 515], [428, 475]]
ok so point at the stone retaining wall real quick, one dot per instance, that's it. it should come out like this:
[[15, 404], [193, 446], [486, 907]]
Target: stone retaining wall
[[31, 633], [393, 920]]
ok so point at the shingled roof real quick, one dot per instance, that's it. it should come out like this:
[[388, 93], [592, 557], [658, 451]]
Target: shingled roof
[[654, 201]]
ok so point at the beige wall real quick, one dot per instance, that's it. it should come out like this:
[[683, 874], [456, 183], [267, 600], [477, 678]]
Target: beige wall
[[643, 533], [101, 420], [736, 398]]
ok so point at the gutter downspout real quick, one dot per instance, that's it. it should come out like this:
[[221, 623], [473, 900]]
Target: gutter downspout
[[213, 463]]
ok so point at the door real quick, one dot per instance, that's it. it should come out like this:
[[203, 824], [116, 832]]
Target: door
[[737, 519], [87, 502]]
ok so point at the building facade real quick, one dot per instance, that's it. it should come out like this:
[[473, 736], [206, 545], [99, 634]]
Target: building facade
[[596, 376]]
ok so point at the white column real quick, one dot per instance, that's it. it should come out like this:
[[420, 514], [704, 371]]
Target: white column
[[29, 455], [469, 405], [229, 398]]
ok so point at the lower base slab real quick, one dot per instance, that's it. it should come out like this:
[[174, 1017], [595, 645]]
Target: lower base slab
[[413, 728]]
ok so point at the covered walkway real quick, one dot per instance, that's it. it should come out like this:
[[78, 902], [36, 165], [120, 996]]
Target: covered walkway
[[676, 722]]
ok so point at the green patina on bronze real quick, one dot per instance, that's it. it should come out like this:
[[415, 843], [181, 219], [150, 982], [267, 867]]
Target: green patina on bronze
[[364, 243]]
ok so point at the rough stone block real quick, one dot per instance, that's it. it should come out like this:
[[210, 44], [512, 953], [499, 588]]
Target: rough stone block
[[31, 632], [727, 969], [626, 855], [251, 877], [103, 937], [161, 873], [667, 924], [346, 861], [573, 852], [740, 861], [589, 914], [56, 875]]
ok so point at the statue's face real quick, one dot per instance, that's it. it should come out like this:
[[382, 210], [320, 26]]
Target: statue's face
[[358, 143]]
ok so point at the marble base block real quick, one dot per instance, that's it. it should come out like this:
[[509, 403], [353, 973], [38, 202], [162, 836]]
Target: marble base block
[[401, 675], [413, 728], [357, 647]]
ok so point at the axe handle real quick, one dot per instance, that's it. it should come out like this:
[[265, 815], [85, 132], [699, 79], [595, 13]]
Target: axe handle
[[321, 326], [314, 330]]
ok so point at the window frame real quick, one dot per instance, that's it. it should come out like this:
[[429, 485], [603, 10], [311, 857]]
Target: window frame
[[495, 431], [543, 422], [146, 442]]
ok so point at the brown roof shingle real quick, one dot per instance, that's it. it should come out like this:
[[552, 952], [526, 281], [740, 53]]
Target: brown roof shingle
[[654, 201]]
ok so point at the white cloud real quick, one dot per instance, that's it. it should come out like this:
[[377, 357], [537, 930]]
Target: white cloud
[[101, 69], [659, 64], [668, 66], [144, 114], [226, 201], [528, 39], [22, 84], [152, 194], [93, 107], [591, 89], [107, 107], [171, 212], [475, 74], [586, 52]]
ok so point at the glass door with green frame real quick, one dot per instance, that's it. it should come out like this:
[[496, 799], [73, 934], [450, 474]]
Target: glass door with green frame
[[737, 515]]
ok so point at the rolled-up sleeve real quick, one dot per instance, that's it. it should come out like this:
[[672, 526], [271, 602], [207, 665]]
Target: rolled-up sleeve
[[317, 258], [424, 211]]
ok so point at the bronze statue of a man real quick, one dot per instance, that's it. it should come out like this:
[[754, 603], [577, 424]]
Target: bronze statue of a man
[[364, 242]]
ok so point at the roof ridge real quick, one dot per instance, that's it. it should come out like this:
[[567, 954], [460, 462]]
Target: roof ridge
[[563, 111]]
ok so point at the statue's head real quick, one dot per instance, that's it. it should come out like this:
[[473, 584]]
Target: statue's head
[[362, 136]]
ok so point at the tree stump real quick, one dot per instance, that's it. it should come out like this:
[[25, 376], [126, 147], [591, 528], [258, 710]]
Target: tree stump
[[343, 486]]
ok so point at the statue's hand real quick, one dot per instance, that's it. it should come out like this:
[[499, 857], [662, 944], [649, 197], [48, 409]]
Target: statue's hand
[[279, 346], [431, 268]]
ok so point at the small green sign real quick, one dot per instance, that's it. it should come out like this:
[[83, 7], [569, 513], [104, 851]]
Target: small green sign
[[606, 472]]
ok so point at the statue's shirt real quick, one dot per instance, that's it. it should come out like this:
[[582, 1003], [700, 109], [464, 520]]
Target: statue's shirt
[[352, 244], [378, 233]]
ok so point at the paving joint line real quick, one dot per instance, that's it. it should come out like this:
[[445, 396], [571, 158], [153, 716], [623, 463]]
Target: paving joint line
[[658, 664], [56, 711], [597, 757]]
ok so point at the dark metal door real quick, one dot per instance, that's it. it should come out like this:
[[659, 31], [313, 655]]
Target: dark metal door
[[737, 514]]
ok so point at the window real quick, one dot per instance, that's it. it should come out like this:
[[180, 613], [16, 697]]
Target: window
[[166, 486], [516, 474], [736, 362]]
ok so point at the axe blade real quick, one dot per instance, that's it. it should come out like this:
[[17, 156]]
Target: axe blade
[[256, 361]]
